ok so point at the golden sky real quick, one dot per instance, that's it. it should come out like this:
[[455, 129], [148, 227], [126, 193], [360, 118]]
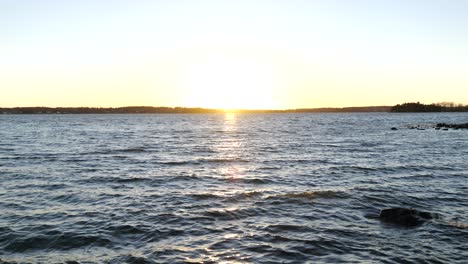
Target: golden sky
[[232, 54]]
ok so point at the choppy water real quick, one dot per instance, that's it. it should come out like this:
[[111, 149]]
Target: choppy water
[[253, 188]]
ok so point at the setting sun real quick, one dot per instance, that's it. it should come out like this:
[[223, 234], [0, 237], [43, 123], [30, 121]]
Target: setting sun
[[230, 83]]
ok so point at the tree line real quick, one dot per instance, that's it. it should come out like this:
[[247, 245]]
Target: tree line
[[400, 108], [436, 107], [175, 110], [104, 110]]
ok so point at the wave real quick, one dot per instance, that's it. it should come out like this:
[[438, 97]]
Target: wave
[[234, 197], [126, 229], [418, 168], [256, 181], [119, 181], [205, 196], [280, 228], [130, 259], [251, 194], [185, 178], [39, 157], [116, 151], [328, 194], [67, 198], [55, 240], [136, 150], [202, 161], [268, 168], [417, 177], [178, 163], [222, 160], [233, 214], [203, 149], [130, 180], [457, 224]]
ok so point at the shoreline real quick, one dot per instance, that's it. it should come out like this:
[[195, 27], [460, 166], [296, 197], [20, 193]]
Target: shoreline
[[182, 110]]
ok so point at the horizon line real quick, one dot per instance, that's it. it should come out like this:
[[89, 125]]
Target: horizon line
[[197, 107], [179, 110]]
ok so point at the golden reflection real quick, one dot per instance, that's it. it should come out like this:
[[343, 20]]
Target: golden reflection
[[229, 116], [229, 127], [230, 148]]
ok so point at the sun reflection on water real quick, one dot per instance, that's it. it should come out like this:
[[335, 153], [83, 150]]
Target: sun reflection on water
[[230, 148]]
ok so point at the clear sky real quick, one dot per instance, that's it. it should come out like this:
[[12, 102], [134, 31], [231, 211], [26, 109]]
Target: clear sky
[[232, 54]]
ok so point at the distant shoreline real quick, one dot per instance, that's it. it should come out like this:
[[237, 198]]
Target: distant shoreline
[[177, 110], [429, 108], [399, 108]]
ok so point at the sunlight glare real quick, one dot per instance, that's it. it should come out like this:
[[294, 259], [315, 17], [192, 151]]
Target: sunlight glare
[[230, 84]]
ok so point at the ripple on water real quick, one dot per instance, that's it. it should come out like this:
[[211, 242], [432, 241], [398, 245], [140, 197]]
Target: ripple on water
[[55, 241], [310, 195], [233, 213]]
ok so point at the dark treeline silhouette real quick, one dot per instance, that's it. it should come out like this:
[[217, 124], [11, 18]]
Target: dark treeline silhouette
[[175, 110], [438, 107], [400, 108], [104, 110], [344, 109]]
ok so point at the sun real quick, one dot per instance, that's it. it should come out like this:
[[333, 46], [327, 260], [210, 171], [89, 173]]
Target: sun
[[230, 83]]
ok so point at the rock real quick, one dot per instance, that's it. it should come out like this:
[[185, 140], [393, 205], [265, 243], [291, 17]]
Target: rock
[[394, 128], [454, 126], [404, 216]]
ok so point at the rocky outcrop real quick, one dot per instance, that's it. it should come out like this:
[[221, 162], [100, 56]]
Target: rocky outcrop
[[405, 216], [439, 126], [453, 126]]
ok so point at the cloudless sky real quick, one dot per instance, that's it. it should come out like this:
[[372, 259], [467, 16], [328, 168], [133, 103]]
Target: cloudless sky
[[232, 54]]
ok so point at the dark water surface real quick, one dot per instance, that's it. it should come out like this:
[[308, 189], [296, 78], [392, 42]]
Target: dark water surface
[[253, 188]]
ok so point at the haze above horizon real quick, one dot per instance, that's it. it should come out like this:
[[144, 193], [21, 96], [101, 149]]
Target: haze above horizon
[[237, 54]]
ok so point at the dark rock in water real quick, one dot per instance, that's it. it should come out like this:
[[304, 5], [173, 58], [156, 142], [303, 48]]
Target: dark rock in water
[[394, 128], [404, 216], [454, 126]]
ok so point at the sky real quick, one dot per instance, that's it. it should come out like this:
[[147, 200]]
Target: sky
[[255, 54]]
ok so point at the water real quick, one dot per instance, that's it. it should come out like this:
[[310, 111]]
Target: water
[[253, 188]]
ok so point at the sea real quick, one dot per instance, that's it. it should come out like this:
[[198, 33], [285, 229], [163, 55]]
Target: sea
[[231, 188]]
